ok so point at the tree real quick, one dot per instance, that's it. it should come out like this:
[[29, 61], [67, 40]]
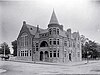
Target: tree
[[14, 44], [7, 50], [90, 49]]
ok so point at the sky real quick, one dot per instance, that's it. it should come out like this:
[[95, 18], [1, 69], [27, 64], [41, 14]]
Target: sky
[[79, 15]]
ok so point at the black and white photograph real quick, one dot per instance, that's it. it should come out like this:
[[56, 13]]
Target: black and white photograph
[[49, 37]]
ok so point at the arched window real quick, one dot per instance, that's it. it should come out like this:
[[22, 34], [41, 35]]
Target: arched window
[[44, 44], [26, 40], [50, 41], [58, 31]]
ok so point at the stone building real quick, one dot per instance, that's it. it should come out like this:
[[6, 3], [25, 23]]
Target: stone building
[[50, 45]]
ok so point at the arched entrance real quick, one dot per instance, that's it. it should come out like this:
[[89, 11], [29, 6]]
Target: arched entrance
[[46, 56], [70, 56], [41, 56]]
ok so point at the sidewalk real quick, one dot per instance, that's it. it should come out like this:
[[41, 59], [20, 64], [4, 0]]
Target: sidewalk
[[59, 64]]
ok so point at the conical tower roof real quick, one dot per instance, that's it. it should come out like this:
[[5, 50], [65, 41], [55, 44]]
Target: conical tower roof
[[53, 19]]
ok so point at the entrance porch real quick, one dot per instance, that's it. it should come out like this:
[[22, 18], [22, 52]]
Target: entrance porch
[[44, 54]]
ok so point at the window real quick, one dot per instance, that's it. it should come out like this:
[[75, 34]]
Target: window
[[26, 40], [58, 53], [22, 41], [57, 41], [27, 53], [36, 46], [54, 42], [54, 54], [65, 53], [54, 30], [58, 31], [45, 34], [50, 53], [50, 31], [30, 52], [65, 43], [50, 41], [33, 44], [19, 53], [69, 44], [23, 53], [78, 54]]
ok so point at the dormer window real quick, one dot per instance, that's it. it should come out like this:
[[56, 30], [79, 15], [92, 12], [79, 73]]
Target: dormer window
[[30, 28]]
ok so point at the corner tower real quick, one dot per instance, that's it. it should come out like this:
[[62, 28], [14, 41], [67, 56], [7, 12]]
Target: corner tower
[[54, 21]]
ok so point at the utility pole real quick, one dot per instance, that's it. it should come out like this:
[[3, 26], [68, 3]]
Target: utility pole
[[87, 57]]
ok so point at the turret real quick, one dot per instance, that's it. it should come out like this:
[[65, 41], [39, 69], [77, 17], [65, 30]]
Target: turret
[[54, 22]]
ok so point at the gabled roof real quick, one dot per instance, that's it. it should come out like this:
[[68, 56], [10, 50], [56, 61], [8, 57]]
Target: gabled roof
[[33, 29], [53, 19], [63, 33], [44, 31]]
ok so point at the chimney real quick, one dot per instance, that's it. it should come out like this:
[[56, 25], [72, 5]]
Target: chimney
[[24, 22], [61, 26], [69, 33], [37, 28]]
